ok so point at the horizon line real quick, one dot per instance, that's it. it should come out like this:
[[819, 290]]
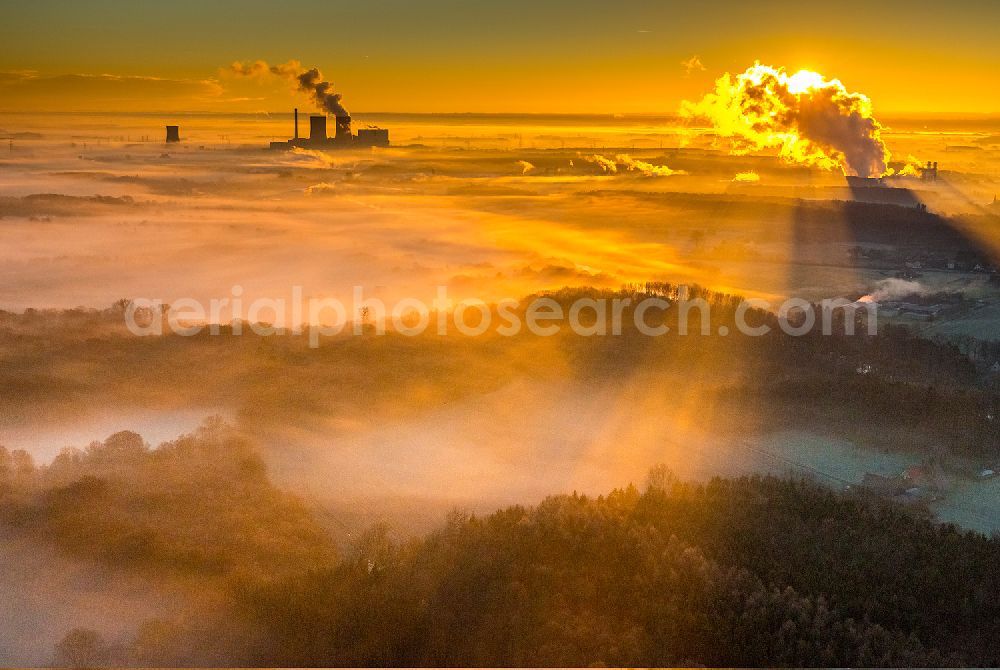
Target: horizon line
[[959, 114]]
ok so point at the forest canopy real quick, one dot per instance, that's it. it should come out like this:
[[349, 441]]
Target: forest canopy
[[749, 571]]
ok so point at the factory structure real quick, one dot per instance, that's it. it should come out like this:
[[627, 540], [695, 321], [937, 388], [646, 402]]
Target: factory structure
[[928, 172], [343, 137], [892, 189]]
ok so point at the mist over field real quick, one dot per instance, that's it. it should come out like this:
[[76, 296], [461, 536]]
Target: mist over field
[[244, 499]]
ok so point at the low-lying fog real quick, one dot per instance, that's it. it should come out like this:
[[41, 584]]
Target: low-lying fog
[[195, 219], [490, 208]]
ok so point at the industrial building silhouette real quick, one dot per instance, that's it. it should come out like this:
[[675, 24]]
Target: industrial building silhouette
[[343, 137]]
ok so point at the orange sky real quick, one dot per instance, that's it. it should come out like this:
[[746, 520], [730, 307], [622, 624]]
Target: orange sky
[[515, 56]]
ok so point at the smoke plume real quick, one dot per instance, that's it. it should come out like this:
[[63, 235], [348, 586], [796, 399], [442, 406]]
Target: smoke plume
[[895, 289], [810, 119], [309, 81], [647, 169], [609, 166]]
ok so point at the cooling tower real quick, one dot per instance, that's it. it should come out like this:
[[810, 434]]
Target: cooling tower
[[343, 128], [317, 128], [173, 133]]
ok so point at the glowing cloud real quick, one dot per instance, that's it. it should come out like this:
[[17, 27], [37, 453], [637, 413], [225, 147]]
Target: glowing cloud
[[692, 64], [748, 177], [808, 118], [912, 168]]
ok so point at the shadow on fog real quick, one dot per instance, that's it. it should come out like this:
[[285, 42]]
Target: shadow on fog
[[888, 217]]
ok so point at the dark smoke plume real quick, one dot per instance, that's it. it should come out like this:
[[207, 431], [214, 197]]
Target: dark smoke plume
[[309, 81]]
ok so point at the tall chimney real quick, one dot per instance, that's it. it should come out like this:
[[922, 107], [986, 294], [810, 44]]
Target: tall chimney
[[317, 128], [296, 123], [173, 134]]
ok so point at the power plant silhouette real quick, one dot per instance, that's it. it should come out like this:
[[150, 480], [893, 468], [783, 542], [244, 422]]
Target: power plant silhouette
[[343, 137]]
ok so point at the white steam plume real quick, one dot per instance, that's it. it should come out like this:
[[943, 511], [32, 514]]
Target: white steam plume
[[810, 119]]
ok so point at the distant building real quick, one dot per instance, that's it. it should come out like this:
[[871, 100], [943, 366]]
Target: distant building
[[878, 191], [927, 476], [865, 182], [173, 133], [376, 137], [343, 137], [918, 475]]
